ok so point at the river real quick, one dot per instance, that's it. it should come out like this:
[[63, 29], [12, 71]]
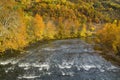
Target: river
[[72, 59]]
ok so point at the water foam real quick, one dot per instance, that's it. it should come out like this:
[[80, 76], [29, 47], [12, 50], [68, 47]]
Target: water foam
[[28, 77], [41, 66], [10, 61]]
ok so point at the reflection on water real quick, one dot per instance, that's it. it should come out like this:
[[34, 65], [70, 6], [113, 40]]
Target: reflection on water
[[60, 60]]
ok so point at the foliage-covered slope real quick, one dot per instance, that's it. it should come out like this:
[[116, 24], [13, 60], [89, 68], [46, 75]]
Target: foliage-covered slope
[[26, 21], [85, 10]]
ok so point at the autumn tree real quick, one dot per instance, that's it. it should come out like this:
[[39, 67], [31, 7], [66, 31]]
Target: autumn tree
[[38, 27], [11, 20], [50, 30], [109, 36]]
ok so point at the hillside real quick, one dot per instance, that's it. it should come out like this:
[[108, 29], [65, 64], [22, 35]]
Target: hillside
[[27, 21], [91, 10]]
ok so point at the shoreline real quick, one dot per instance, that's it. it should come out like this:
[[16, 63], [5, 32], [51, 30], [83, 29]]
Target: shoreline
[[109, 56]]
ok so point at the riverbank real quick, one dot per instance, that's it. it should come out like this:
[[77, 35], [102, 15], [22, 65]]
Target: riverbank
[[14, 53], [109, 56]]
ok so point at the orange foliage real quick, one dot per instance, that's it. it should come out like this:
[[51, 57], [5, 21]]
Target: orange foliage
[[109, 36], [16, 39], [38, 27]]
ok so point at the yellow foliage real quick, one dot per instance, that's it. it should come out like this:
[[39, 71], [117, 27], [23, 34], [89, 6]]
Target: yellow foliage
[[16, 39], [37, 0], [38, 27], [67, 28], [110, 36], [49, 31], [26, 2], [92, 28], [83, 32], [22, 35]]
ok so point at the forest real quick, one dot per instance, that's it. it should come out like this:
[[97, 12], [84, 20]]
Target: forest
[[23, 22]]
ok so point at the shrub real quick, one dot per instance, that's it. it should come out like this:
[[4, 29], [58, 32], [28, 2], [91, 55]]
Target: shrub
[[109, 36]]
